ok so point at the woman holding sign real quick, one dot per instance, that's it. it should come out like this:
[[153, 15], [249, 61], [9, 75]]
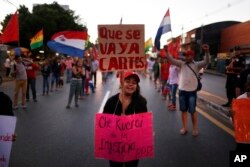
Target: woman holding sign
[[128, 101]]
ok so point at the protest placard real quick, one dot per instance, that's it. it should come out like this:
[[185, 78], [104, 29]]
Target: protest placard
[[121, 47], [124, 138], [241, 116], [7, 129]]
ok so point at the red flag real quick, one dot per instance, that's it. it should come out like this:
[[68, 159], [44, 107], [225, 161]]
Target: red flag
[[173, 48], [11, 31]]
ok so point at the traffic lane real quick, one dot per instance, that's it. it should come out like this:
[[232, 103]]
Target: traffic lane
[[68, 136], [172, 149], [51, 135]]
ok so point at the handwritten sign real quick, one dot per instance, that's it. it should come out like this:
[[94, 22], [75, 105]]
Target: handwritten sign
[[121, 47], [124, 138], [240, 108], [7, 129]]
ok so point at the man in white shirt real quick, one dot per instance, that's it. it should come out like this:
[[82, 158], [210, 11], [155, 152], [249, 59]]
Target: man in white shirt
[[187, 86]]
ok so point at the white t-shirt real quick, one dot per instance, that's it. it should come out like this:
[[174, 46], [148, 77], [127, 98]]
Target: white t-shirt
[[243, 96], [150, 64]]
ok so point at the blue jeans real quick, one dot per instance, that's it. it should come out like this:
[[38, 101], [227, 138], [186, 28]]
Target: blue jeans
[[31, 83], [55, 78], [173, 90], [187, 101], [75, 88], [45, 84], [83, 87], [68, 75]]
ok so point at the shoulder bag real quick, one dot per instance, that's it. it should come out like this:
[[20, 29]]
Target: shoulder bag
[[199, 86]]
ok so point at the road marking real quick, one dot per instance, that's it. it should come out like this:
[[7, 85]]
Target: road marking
[[104, 101], [216, 122], [210, 94]]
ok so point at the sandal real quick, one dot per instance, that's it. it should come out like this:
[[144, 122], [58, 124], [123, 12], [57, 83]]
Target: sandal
[[183, 131], [195, 133]]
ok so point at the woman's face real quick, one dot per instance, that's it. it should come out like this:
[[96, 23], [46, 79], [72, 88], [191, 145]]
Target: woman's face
[[129, 86]]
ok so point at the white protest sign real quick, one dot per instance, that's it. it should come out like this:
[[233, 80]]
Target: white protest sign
[[7, 129]]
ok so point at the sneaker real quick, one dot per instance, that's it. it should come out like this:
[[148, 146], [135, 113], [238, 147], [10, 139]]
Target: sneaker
[[183, 131], [35, 100], [68, 107], [172, 107], [77, 105], [24, 107]]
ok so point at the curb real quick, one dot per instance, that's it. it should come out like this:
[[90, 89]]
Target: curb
[[222, 111]]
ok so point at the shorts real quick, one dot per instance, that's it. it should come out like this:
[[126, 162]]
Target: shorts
[[187, 101]]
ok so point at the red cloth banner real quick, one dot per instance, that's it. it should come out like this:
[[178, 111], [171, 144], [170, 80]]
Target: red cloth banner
[[124, 138], [241, 112]]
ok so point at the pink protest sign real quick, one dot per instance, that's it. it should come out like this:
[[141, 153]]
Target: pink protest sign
[[124, 138]]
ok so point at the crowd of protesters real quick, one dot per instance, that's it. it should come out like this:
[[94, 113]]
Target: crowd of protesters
[[55, 72]]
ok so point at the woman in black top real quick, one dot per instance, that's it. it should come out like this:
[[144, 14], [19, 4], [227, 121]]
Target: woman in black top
[[128, 101]]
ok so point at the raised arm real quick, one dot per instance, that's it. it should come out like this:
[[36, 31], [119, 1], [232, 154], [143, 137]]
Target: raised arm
[[171, 59]]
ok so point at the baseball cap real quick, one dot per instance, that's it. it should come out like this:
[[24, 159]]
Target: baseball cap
[[188, 53], [128, 74]]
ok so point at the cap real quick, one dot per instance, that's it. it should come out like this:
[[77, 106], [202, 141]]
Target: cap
[[188, 53], [128, 74]]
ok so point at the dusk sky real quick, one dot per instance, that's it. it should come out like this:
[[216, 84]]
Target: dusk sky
[[185, 15]]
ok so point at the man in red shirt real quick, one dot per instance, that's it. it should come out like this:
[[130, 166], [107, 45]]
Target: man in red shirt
[[31, 69]]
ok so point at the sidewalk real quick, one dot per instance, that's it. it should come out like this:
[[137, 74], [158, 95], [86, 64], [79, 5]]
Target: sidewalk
[[213, 102]]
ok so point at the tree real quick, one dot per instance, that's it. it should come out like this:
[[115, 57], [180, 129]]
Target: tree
[[51, 17]]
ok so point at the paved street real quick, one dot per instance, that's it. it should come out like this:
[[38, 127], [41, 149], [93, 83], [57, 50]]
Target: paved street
[[49, 135]]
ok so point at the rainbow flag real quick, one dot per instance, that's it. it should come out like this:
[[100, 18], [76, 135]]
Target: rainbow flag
[[37, 40], [148, 44]]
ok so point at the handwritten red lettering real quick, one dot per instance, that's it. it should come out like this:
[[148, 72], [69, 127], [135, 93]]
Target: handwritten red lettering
[[124, 63], [133, 34], [6, 137], [103, 122], [110, 34], [117, 147], [123, 48], [132, 124], [2, 158], [144, 151]]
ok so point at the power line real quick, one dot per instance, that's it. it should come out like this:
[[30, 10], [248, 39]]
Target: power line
[[216, 11], [11, 3]]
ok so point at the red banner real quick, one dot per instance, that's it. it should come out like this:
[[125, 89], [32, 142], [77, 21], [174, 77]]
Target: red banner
[[124, 138], [241, 114]]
